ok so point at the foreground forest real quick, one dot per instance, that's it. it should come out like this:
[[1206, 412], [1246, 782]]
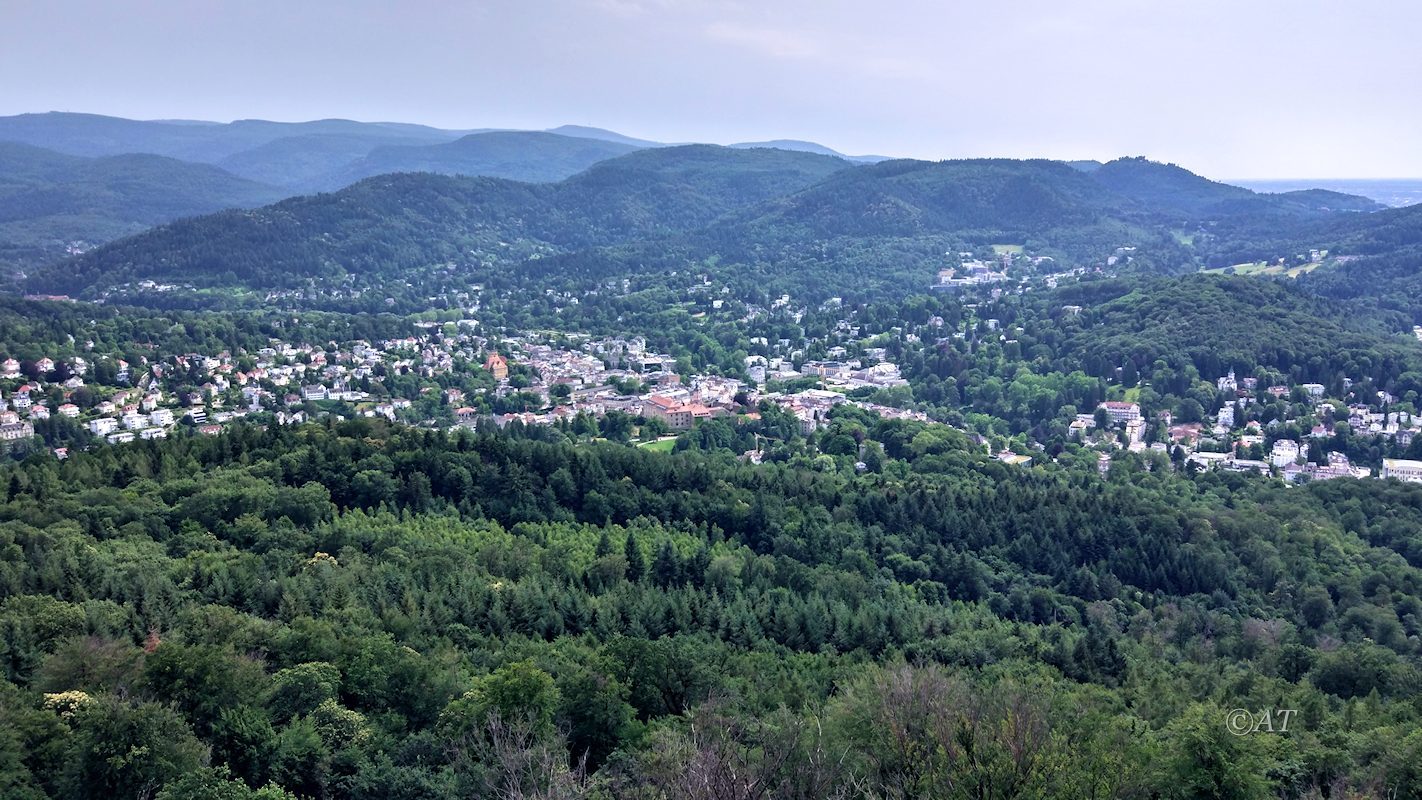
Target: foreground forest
[[308, 601], [356, 610]]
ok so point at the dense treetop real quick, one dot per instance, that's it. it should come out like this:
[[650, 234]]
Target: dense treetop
[[357, 610]]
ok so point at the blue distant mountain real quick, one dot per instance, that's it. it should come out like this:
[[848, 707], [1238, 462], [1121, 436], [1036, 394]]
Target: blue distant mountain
[[1394, 192], [800, 146]]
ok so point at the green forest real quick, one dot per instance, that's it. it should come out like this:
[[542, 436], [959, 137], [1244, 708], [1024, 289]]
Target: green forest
[[809, 224], [354, 610], [949, 573]]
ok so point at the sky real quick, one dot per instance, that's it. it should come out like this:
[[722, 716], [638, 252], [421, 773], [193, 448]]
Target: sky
[[1227, 88]]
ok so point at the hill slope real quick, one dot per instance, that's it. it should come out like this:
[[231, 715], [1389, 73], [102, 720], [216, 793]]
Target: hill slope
[[305, 163], [802, 146], [530, 156], [1380, 263], [49, 201], [585, 132], [385, 226], [770, 217], [207, 142], [1173, 190], [1218, 323], [913, 197]]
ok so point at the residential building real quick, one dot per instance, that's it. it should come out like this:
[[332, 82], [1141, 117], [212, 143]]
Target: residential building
[[497, 366], [1120, 412], [676, 414], [1285, 452], [1402, 469], [12, 431]]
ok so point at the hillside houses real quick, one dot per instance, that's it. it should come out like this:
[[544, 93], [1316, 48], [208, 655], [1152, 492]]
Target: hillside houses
[[1120, 412]]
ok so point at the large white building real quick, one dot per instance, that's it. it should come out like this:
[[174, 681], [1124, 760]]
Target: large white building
[[1285, 452], [1121, 412], [1402, 469]]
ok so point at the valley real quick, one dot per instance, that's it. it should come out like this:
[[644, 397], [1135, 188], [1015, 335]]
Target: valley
[[353, 460]]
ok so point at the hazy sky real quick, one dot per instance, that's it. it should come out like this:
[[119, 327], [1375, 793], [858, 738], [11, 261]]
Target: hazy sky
[[1228, 88]]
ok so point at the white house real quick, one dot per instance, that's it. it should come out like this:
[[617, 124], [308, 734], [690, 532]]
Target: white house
[[1402, 469], [1285, 452], [1121, 412]]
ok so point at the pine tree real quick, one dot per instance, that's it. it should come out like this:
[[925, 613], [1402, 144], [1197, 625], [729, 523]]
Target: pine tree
[[636, 564], [666, 568]]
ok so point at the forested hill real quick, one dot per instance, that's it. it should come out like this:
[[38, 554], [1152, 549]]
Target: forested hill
[[208, 142], [904, 198], [386, 225], [359, 612], [50, 201], [1373, 258], [1217, 323], [303, 164], [517, 155], [1172, 190], [806, 220], [1381, 261]]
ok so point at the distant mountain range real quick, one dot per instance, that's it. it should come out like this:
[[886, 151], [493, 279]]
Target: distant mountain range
[[1396, 192], [317, 155], [582, 201], [516, 155], [51, 202], [787, 213], [46, 210], [384, 225], [1167, 185], [808, 147]]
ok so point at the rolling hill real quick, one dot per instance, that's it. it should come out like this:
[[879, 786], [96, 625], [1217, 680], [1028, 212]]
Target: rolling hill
[[772, 217], [586, 132], [1172, 190], [50, 202], [206, 142], [1378, 260], [305, 163], [1219, 322], [317, 154], [384, 226], [531, 156], [884, 229], [902, 198], [801, 146], [1372, 258]]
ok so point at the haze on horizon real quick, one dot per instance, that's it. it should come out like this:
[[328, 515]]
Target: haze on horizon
[[1266, 89]]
